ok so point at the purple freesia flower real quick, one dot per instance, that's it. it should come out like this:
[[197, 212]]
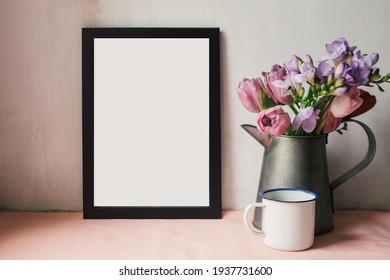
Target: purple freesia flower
[[307, 118], [293, 64], [366, 60], [339, 81], [340, 91], [355, 75], [323, 71], [339, 50], [340, 69], [307, 71], [292, 68]]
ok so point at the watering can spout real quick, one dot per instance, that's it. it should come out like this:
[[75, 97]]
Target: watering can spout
[[263, 139]]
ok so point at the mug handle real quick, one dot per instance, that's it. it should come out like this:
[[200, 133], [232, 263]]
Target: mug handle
[[249, 225], [364, 163]]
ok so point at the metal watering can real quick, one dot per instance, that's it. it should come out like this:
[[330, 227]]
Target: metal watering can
[[301, 162]]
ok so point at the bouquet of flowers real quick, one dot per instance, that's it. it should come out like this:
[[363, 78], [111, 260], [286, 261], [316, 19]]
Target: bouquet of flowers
[[319, 97]]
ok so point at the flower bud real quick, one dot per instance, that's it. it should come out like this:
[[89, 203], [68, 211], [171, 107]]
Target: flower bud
[[330, 80], [349, 58], [300, 62], [339, 82], [374, 77]]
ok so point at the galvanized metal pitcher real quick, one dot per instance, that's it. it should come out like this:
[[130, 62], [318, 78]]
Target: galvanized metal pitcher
[[301, 162]]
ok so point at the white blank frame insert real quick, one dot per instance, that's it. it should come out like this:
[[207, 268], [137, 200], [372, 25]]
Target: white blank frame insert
[[151, 123]]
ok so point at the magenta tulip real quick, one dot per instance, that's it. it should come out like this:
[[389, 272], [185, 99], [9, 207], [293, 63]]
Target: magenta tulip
[[249, 93], [273, 121], [345, 104]]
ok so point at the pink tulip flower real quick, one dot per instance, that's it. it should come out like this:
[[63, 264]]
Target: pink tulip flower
[[249, 93], [273, 121], [279, 95], [369, 102], [345, 104], [332, 124]]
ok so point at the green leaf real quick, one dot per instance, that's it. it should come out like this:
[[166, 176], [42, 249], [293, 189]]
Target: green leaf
[[265, 100], [380, 88], [385, 78]]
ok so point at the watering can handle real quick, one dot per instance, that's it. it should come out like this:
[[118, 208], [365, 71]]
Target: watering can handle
[[364, 163]]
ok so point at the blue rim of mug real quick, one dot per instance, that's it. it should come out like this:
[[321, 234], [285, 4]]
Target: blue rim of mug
[[262, 193]]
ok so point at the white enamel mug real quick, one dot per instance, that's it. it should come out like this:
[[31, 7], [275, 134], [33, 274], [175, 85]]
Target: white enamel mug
[[288, 218]]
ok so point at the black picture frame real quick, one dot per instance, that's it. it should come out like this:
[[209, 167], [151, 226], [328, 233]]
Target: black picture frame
[[92, 109]]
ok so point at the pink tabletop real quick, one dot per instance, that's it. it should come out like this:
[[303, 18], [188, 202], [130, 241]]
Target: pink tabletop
[[357, 235]]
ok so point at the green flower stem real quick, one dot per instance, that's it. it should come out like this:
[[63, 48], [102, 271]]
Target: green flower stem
[[326, 102], [293, 109], [299, 131], [321, 126]]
